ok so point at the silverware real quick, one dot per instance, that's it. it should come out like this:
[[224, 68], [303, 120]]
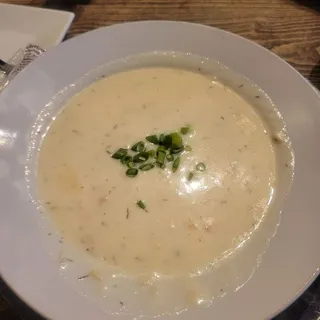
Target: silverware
[[5, 67]]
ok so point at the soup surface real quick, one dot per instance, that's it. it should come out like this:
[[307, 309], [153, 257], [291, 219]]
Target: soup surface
[[187, 224]]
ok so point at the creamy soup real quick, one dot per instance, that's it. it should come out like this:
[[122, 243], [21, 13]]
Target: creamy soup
[[188, 223]]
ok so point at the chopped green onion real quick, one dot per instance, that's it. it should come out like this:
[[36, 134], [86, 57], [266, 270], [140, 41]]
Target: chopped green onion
[[141, 204], [130, 164], [170, 146], [131, 172], [138, 147], [152, 153], [167, 141], [161, 149], [201, 167], [146, 167], [119, 154], [153, 139], [161, 155], [176, 140], [161, 138], [170, 157], [178, 150], [185, 130], [190, 176], [175, 164], [126, 159], [188, 148], [141, 157]]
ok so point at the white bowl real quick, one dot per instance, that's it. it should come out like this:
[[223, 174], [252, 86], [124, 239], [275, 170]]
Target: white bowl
[[292, 260]]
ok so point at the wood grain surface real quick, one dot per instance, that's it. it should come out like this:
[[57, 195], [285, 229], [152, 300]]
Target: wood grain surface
[[290, 28]]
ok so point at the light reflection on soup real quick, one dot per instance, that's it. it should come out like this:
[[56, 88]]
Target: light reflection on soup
[[188, 224]]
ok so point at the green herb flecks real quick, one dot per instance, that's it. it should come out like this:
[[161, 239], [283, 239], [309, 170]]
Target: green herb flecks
[[176, 142], [152, 153], [161, 138], [178, 150], [141, 157], [146, 167], [126, 159], [167, 148], [132, 172], [175, 164], [167, 141], [185, 130], [120, 153], [170, 157], [130, 164], [142, 205], [138, 147], [161, 156], [153, 139], [190, 176], [161, 149]]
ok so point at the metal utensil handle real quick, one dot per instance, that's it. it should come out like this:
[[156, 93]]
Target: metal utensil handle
[[5, 67]]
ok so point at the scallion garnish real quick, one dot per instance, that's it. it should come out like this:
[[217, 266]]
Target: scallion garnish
[[152, 153], [185, 130], [161, 138], [175, 164], [201, 167], [153, 139], [126, 159], [178, 150], [141, 205], [120, 153], [161, 156], [167, 141], [131, 172], [138, 147], [141, 157], [161, 149], [170, 157], [130, 164], [190, 176], [146, 167], [176, 140], [170, 146]]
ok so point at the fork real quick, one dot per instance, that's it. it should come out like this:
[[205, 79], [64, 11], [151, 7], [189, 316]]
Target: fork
[[5, 67]]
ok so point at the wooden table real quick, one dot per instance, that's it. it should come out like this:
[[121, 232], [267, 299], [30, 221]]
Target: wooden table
[[290, 28]]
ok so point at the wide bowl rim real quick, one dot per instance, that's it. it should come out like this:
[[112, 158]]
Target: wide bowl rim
[[80, 39]]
